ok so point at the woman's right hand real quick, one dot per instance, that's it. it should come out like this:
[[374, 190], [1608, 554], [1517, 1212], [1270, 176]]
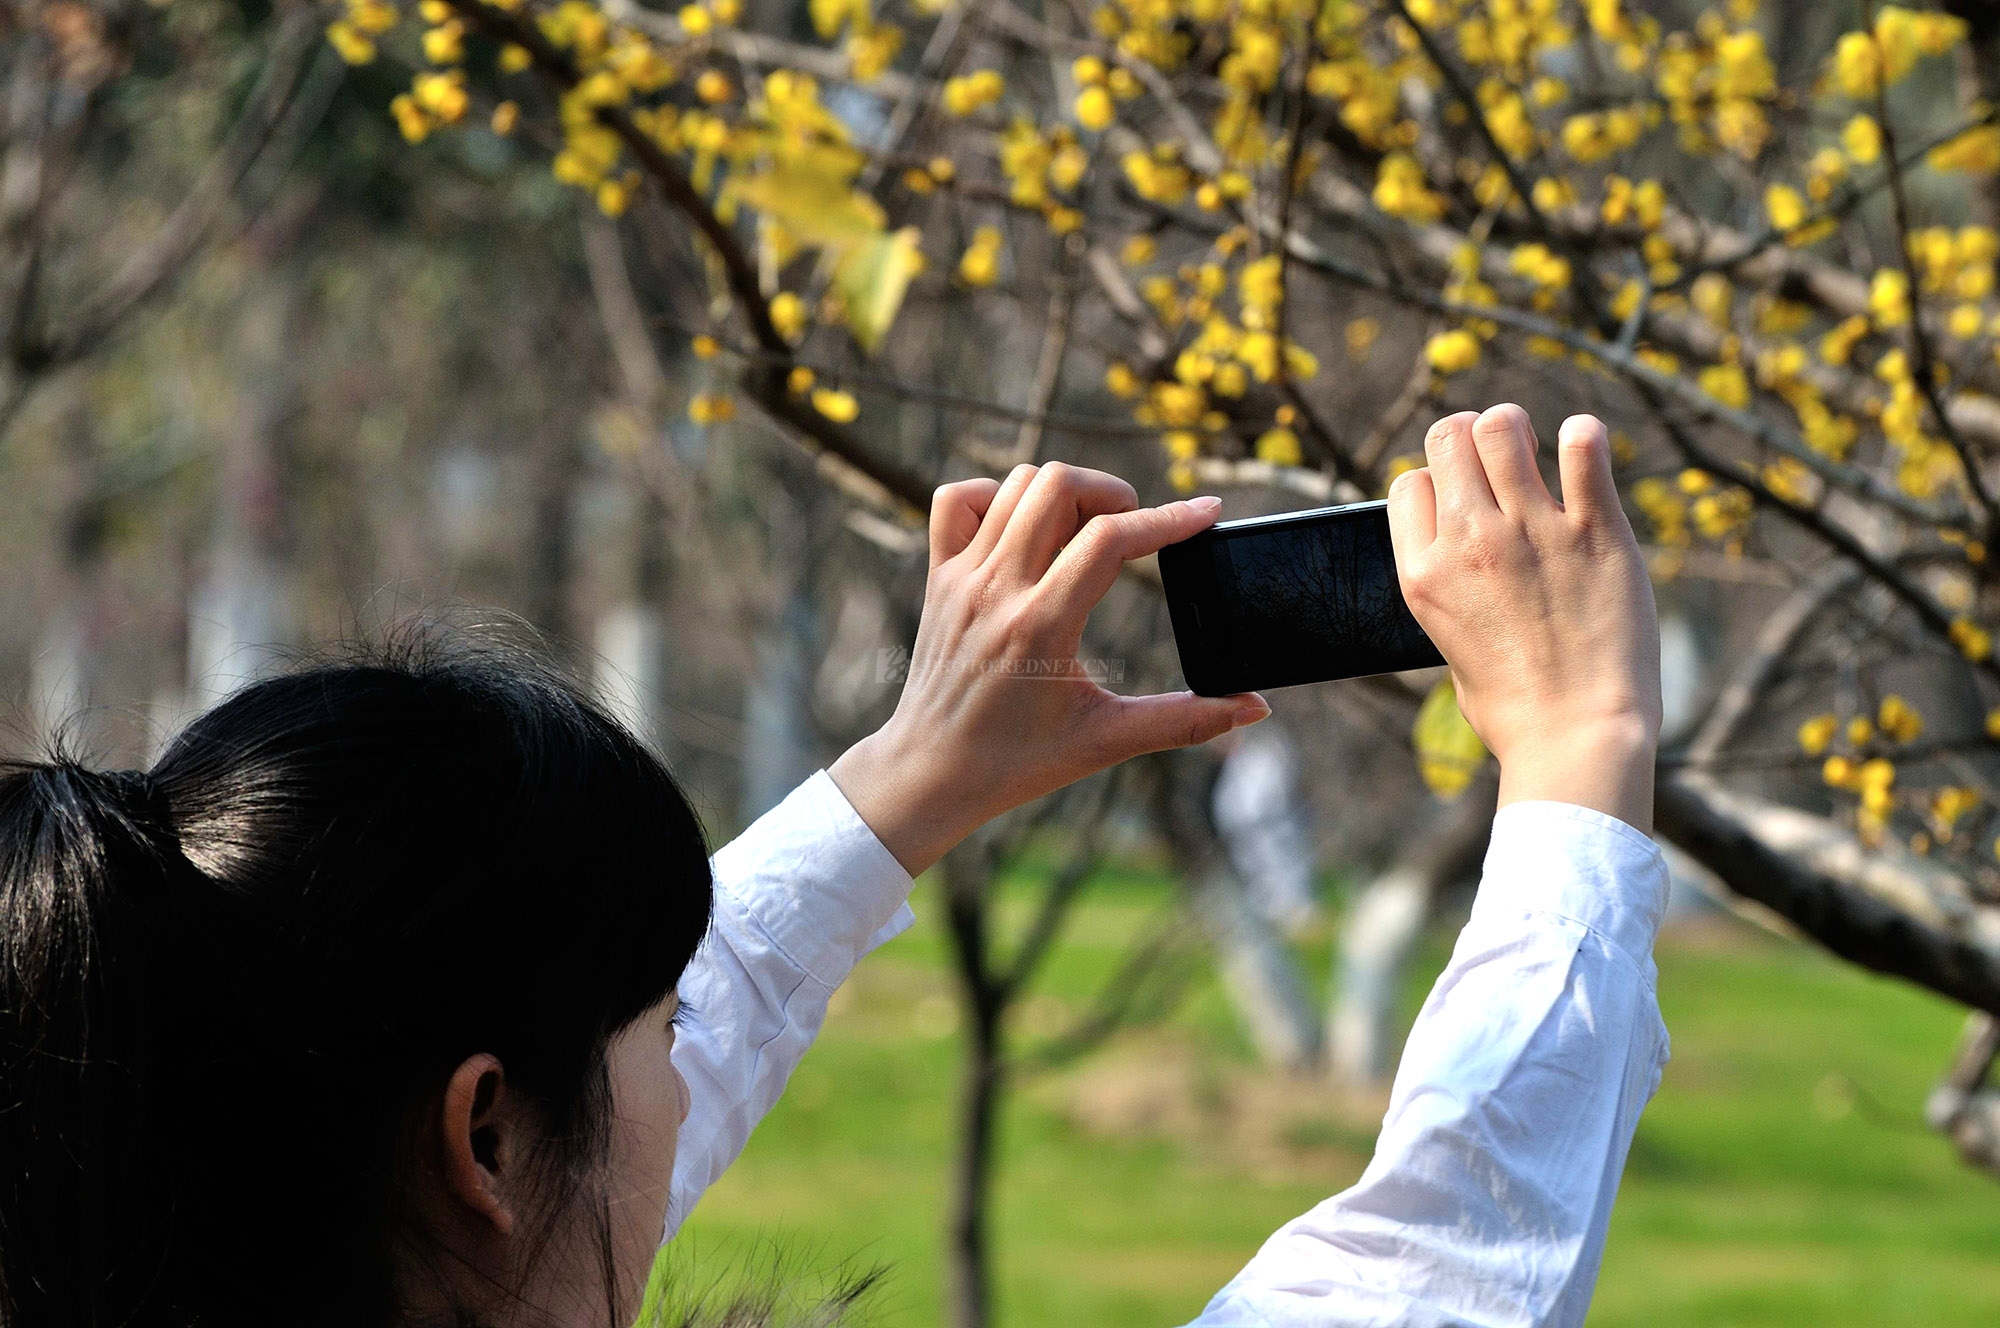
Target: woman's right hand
[[997, 709], [1543, 609]]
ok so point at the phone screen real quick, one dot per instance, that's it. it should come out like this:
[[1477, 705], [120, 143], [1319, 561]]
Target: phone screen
[[1304, 597]]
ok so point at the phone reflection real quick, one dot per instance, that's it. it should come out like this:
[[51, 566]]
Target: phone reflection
[[1312, 601]]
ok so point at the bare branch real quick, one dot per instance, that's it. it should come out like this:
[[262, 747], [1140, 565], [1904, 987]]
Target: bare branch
[[263, 125], [1765, 662]]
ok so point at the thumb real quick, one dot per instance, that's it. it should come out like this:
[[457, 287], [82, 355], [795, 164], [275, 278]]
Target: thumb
[[1140, 724]]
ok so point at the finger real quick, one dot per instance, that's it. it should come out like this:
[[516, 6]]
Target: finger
[[1059, 500], [956, 510], [1412, 515], [1457, 476], [1135, 725], [1505, 439], [1583, 455], [1000, 512], [1088, 564]]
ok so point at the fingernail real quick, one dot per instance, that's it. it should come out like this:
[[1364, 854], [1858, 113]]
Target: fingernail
[[1249, 712], [1205, 503]]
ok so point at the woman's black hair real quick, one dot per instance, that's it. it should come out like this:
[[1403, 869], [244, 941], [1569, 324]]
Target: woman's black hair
[[232, 985]]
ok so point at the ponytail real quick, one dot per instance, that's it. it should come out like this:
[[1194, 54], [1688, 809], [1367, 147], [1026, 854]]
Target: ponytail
[[233, 988], [85, 859]]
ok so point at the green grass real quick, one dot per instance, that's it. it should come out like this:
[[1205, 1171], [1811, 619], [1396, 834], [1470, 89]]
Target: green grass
[[1134, 1184]]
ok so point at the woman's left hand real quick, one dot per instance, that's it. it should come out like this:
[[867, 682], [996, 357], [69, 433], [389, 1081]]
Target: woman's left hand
[[997, 710]]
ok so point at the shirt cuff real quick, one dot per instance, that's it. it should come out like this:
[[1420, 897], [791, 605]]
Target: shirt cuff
[[1594, 869], [817, 880]]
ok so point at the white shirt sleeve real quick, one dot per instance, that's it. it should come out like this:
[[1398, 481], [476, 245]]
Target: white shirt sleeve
[[1520, 1088], [800, 897]]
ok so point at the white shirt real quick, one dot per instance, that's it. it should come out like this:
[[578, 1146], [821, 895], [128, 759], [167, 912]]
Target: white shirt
[[1521, 1084]]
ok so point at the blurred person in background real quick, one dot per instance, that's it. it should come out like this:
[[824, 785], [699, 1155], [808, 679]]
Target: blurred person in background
[[405, 991]]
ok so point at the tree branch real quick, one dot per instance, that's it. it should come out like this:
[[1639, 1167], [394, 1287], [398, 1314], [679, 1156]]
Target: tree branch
[[1863, 905]]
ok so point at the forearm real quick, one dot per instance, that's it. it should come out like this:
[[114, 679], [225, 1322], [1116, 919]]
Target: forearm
[[1522, 1082]]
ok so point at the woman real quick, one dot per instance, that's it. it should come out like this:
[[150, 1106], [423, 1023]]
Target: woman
[[383, 999]]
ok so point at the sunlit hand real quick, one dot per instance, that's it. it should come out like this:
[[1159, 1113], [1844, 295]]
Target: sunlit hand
[[1543, 609], [996, 710]]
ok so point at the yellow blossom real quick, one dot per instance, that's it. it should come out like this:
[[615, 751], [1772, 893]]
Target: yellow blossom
[[1817, 733], [514, 58], [1361, 337], [1790, 481], [1280, 447], [1551, 193], [705, 409], [1784, 206], [350, 43], [968, 93], [1094, 108], [505, 117], [414, 125], [442, 96], [788, 315], [1899, 719], [1949, 805], [1889, 297], [980, 264], [1712, 297], [1727, 383], [1862, 140], [1649, 203], [714, 87], [373, 17], [445, 44], [836, 405], [1401, 189], [800, 380], [1975, 152], [1973, 641], [1452, 352], [1539, 265], [1857, 65]]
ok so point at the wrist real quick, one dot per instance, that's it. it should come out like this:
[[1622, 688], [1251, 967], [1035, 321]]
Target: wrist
[[886, 780], [1606, 765]]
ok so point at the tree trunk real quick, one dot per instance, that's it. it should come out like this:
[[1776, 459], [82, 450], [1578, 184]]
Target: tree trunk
[[1258, 970], [972, 1177], [780, 734], [1266, 828], [241, 611], [1381, 933], [967, 1253]]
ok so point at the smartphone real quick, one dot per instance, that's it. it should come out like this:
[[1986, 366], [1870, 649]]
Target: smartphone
[[1275, 601]]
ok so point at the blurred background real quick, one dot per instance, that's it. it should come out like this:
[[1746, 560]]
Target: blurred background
[[283, 366]]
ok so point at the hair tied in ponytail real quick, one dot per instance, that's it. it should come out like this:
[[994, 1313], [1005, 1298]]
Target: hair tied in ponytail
[[138, 792]]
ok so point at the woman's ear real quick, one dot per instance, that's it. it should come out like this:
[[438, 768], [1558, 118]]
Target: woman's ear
[[479, 1130]]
